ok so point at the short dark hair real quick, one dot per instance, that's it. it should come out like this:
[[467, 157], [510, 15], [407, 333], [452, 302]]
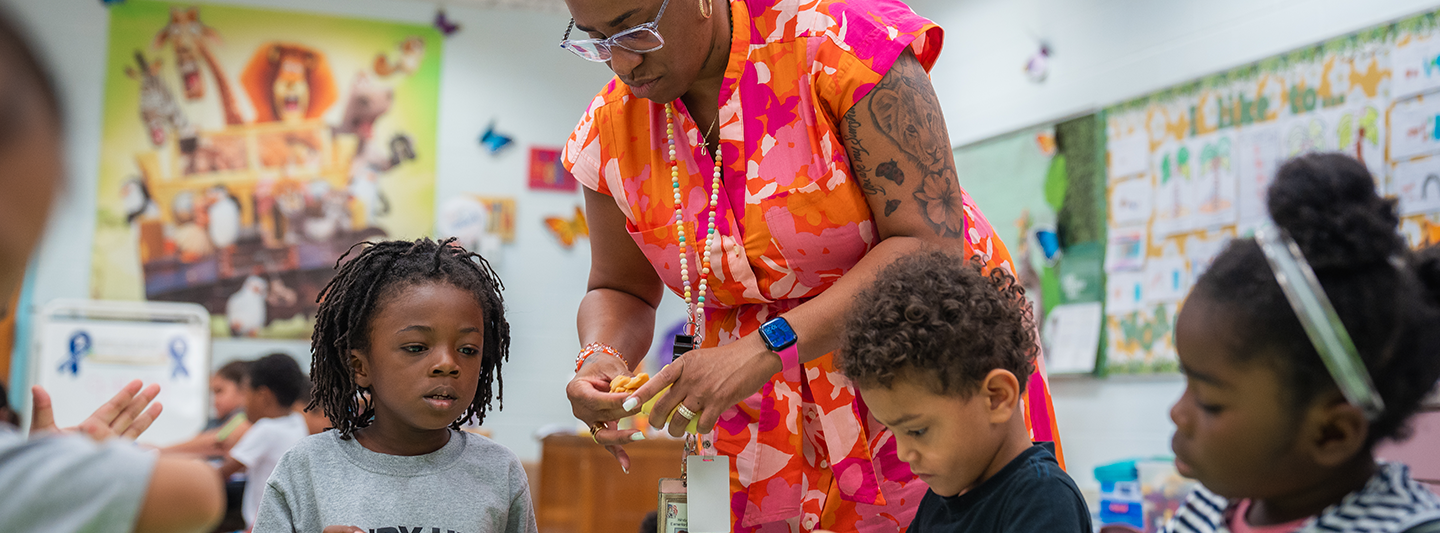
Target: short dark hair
[[349, 301], [233, 371], [278, 372], [932, 314], [1387, 296], [303, 393]]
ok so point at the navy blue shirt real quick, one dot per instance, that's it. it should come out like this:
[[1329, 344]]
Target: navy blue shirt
[[1031, 493]]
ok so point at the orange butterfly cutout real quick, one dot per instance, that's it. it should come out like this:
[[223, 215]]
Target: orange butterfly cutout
[[567, 231]]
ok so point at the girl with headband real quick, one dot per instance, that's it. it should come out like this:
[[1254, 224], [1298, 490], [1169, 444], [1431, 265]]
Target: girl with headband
[[1302, 349]]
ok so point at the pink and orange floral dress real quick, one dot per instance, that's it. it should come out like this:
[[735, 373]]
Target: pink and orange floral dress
[[806, 454]]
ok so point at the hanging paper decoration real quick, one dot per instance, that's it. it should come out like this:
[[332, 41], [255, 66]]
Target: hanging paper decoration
[[548, 173], [568, 231], [494, 141], [1038, 66], [442, 23]]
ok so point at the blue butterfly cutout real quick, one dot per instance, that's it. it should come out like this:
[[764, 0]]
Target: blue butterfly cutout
[[1049, 243], [494, 141]]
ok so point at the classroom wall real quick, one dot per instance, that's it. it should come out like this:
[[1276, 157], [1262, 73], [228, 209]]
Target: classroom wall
[[504, 65], [1106, 51]]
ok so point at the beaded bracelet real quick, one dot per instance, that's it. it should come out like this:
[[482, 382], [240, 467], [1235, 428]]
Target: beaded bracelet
[[594, 347]]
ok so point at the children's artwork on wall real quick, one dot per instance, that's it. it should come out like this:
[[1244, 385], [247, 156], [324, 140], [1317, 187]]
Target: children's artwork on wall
[[479, 223], [1132, 201], [1126, 248], [1201, 249], [1142, 341], [1216, 143], [1415, 65], [1167, 279], [1129, 153], [567, 231], [1413, 127], [1212, 198], [1259, 158], [1174, 173], [547, 173], [1416, 184], [1124, 292], [244, 150], [1421, 231], [1071, 338]]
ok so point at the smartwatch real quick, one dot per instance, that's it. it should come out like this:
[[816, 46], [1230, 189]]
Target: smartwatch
[[780, 338]]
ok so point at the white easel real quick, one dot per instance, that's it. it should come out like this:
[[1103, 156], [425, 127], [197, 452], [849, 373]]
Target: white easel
[[85, 351]]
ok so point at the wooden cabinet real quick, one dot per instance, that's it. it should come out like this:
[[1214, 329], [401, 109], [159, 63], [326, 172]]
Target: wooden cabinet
[[583, 490]]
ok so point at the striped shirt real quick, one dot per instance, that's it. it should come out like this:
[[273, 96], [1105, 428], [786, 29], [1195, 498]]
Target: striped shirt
[[1391, 502]]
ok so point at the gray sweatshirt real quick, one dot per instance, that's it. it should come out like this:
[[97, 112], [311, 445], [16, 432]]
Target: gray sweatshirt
[[471, 485]]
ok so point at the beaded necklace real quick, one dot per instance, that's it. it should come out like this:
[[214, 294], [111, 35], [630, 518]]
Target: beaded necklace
[[694, 306]]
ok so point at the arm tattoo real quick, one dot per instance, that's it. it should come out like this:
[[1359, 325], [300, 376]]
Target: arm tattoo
[[905, 109], [891, 171], [857, 165]]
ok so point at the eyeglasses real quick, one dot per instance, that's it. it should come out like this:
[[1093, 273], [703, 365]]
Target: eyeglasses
[[639, 39]]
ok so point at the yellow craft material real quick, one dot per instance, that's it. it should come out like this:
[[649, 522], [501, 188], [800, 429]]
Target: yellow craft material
[[692, 427], [628, 383]]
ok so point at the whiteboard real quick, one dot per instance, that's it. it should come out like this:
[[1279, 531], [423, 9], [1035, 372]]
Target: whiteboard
[[85, 351]]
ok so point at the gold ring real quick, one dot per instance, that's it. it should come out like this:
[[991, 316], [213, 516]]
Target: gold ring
[[685, 412], [595, 428]]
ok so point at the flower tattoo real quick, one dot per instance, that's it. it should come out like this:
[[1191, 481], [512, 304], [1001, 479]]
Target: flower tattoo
[[939, 200]]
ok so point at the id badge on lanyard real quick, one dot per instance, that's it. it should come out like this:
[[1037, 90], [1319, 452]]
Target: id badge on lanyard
[[698, 502]]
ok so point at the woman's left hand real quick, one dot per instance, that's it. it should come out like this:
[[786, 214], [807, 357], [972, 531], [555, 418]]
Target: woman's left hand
[[708, 382]]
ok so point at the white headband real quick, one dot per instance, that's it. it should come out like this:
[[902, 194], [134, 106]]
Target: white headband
[[1298, 282]]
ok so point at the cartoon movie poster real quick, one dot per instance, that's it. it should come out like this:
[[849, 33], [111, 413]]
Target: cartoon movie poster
[[244, 151]]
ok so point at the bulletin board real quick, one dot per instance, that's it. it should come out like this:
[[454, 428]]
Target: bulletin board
[[1042, 189], [1188, 167]]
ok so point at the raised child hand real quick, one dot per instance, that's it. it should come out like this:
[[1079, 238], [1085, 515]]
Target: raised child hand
[[124, 416]]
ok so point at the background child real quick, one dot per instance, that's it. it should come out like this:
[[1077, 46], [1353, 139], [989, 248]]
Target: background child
[[417, 331], [1262, 424], [227, 394], [940, 353], [272, 383]]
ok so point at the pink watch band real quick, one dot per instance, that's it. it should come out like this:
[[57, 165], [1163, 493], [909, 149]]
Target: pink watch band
[[790, 362]]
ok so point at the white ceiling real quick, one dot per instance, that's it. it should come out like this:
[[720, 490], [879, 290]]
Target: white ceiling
[[548, 6]]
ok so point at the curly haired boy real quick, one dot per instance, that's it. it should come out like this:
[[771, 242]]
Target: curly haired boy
[[940, 353]]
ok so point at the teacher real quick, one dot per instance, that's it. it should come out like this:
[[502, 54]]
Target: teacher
[[763, 159]]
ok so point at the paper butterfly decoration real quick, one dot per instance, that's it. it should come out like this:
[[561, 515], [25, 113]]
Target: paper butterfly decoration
[[442, 23], [568, 231], [1049, 242], [494, 141]]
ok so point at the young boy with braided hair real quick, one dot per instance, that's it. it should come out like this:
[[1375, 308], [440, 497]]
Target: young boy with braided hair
[[408, 342]]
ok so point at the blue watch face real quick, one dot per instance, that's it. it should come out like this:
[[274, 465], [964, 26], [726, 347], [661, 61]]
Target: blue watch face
[[778, 334]]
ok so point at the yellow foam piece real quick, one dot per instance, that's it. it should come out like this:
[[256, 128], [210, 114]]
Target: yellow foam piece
[[692, 427]]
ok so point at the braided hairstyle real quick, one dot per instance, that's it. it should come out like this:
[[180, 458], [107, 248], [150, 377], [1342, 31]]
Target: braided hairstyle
[[1387, 295], [932, 314], [350, 299]]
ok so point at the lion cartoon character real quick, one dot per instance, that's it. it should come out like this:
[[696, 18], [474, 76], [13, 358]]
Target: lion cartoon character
[[289, 83]]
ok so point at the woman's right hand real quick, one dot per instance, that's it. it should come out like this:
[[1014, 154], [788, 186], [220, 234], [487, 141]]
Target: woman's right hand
[[593, 403]]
